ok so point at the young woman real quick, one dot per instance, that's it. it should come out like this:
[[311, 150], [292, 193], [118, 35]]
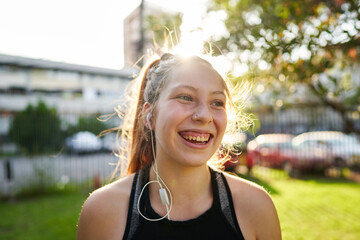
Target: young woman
[[171, 192]]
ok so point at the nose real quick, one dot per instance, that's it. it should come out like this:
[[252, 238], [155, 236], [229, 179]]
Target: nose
[[202, 113]]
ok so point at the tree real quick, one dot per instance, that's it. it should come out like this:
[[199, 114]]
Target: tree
[[312, 42], [89, 123], [37, 129], [164, 28]]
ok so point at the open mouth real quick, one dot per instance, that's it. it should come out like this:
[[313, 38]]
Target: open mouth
[[196, 138]]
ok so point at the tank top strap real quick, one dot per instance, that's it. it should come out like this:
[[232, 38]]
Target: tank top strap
[[223, 199], [133, 217]]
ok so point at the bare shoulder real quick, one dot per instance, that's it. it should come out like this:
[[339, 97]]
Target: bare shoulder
[[243, 189], [104, 213], [254, 208]]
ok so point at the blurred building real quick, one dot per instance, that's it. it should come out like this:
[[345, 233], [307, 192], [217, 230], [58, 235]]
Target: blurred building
[[74, 90]]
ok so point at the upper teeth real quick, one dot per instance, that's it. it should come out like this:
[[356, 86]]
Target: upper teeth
[[199, 139]]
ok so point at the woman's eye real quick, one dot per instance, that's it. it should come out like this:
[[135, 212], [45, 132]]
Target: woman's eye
[[185, 97], [218, 103]]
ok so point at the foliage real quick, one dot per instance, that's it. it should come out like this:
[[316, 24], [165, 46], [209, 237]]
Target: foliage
[[313, 43], [37, 129], [163, 28], [89, 123]]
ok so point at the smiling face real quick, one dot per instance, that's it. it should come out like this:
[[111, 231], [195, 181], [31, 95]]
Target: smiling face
[[190, 115]]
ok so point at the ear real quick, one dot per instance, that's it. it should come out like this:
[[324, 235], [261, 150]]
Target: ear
[[146, 110]]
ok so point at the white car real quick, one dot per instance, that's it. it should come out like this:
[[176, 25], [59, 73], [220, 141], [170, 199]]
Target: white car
[[83, 142], [112, 142], [344, 149]]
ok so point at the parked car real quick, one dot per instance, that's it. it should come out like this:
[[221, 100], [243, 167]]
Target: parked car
[[292, 153], [270, 150], [307, 154], [112, 142], [109, 142], [83, 142], [343, 149]]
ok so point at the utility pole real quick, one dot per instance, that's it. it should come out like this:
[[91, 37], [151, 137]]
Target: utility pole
[[140, 45]]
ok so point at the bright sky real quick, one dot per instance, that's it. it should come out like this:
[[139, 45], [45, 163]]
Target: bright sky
[[88, 32]]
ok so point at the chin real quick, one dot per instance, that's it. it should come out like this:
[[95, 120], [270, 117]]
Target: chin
[[192, 161]]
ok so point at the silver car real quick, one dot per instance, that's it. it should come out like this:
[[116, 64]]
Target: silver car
[[342, 148]]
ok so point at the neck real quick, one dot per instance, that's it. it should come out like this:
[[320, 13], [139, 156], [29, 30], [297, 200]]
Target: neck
[[179, 179], [190, 188]]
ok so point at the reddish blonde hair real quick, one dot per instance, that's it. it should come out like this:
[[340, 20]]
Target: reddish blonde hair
[[140, 148]]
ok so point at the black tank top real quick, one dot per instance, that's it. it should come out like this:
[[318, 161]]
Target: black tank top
[[219, 222]]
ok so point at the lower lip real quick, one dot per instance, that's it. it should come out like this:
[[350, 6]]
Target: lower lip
[[194, 145]]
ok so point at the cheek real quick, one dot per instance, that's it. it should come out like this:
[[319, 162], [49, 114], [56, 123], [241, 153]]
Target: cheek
[[168, 116], [221, 121]]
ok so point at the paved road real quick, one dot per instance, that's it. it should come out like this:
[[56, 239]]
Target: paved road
[[60, 170]]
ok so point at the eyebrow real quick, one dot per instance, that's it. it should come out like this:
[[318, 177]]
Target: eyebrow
[[194, 89], [218, 92]]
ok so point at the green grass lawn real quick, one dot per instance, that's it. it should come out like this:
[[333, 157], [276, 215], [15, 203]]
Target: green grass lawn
[[314, 207], [43, 217], [310, 208]]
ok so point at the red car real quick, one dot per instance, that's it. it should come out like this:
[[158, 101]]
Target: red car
[[293, 154], [270, 150]]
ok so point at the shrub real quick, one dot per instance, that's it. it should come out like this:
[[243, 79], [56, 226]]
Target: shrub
[[87, 123], [37, 129]]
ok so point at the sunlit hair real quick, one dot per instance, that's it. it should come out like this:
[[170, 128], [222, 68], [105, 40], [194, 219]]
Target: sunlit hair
[[136, 152]]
